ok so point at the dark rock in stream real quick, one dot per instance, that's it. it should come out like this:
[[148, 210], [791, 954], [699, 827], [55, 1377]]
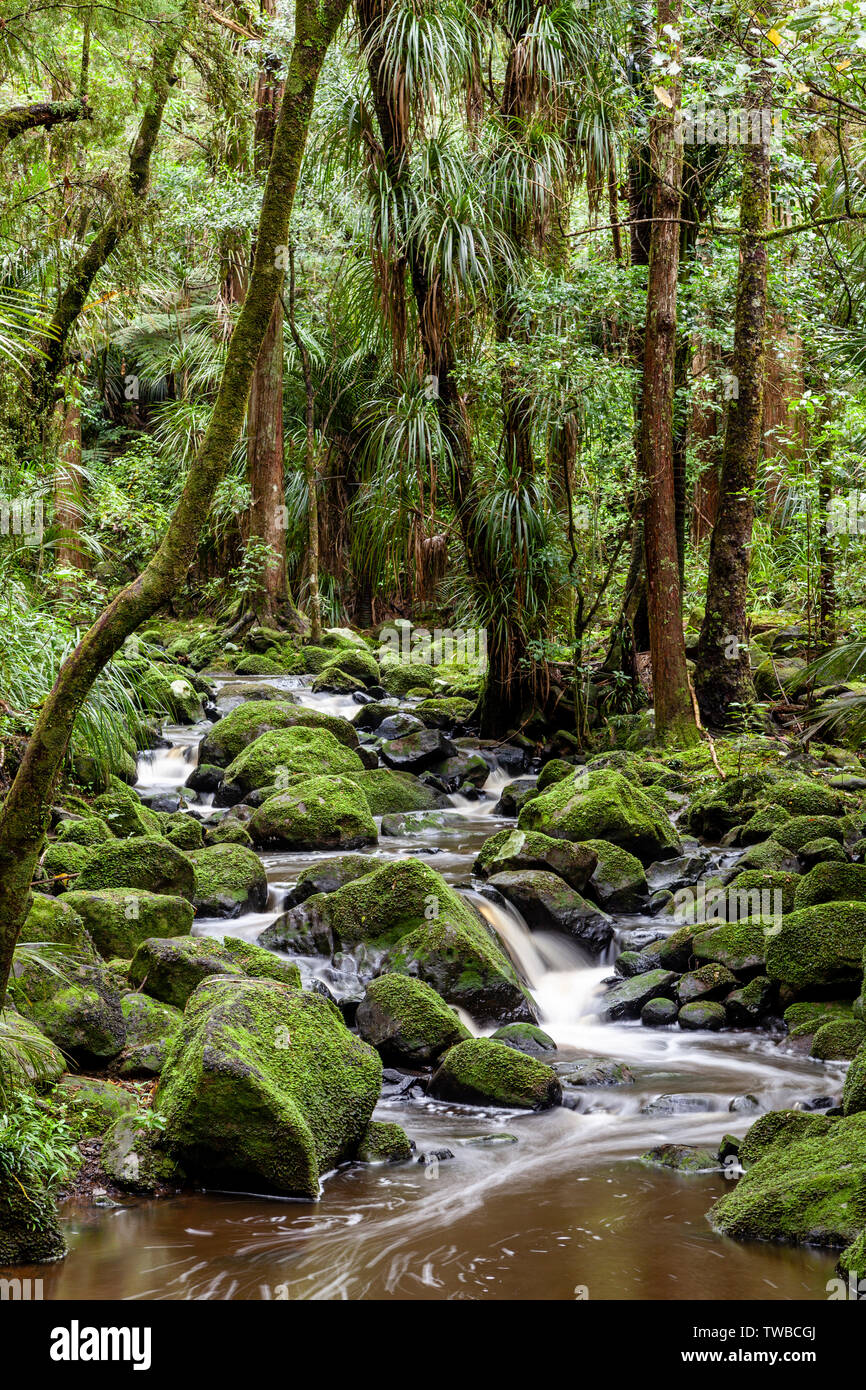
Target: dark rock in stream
[[206, 778], [417, 752], [627, 999], [658, 1013], [515, 796], [544, 900], [684, 1158]]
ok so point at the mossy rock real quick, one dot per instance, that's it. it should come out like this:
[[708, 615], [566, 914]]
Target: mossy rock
[[829, 883], [92, 1105], [318, 813], [283, 752], [407, 1022], [30, 1230], [229, 880], [164, 684], [799, 830], [711, 981], [763, 824], [399, 677], [79, 1010], [327, 875], [806, 1182], [390, 792], [314, 658], [61, 865], [265, 1083], [682, 1158], [354, 661], [182, 831], [762, 881], [838, 1040], [821, 851], [852, 1262], [257, 664], [428, 931], [738, 946], [237, 730], [341, 638], [511, 851], [88, 832], [150, 1026], [552, 772], [807, 797], [602, 806], [124, 814], [484, 1072], [525, 1037], [445, 713], [819, 948], [384, 1143], [806, 1016], [336, 681], [228, 832], [133, 1160], [154, 866], [854, 1093], [768, 857], [119, 919], [702, 1016], [626, 1000], [618, 882], [170, 969], [56, 921]]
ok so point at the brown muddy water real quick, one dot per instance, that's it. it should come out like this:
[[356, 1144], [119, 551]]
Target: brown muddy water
[[551, 1206]]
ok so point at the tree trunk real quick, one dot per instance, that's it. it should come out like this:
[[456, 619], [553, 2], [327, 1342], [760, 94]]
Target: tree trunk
[[68, 485], [310, 467], [25, 812], [723, 676], [674, 717]]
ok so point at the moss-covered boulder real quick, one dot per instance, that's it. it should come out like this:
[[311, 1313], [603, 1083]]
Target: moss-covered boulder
[[769, 857], [154, 866], [838, 1040], [316, 814], [227, 832], [511, 851], [738, 946], [265, 1083], [423, 928], [237, 730], [79, 1010], [92, 1105], [618, 882], [384, 1143], [819, 948], [407, 1022], [626, 1000], [780, 886], [124, 814], [525, 1037], [399, 677], [389, 792], [702, 1016], [806, 1182], [854, 1094], [831, 883], [119, 919], [602, 805], [30, 1059], [806, 797], [484, 1072], [327, 875], [444, 713], [55, 921], [89, 831], [797, 831], [282, 753], [30, 1230], [170, 969], [354, 661], [150, 1026], [229, 880]]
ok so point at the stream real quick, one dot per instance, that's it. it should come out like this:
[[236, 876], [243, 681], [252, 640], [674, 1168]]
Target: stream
[[531, 1206]]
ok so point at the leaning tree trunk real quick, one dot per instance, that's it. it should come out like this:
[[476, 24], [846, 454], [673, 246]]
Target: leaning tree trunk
[[674, 716], [723, 678], [25, 812]]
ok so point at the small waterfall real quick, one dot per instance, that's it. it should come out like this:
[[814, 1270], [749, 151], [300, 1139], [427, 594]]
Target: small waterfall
[[166, 767]]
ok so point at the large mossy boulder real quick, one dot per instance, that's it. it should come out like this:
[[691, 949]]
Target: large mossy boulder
[[318, 813], [407, 1022], [421, 927], [30, 1059], [618, 882], [229, 880], [819, 948], [265, 1084], [150, 1027], [327, 875], [602, 805], [854, 1094], [55, 921], [126, 816], [92, 1104], [78, 1009], [119, 919], [277, 756], [154, 866], [546, 901], [353, 661], [738, 946], [831, 883], [484, 1072], [237, 730], [170, 969], [388, 792], [511, 851], [806, 1182], [399, 677]]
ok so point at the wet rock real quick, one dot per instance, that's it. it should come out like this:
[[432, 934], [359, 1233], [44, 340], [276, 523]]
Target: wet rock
[[525, 1037], [417, 752], [684, 1158], [384, 1143], [658, 1013], [631, 963], [681, 872], [545, 901], [747, 1006], [626, 1000], [702, 1017], [484, 1072], [707, 982], [511, 851], [745, 1105], [515, 796], [683, 1103], [327, 875], [398, 725], [596, 1071], [407, 1022]]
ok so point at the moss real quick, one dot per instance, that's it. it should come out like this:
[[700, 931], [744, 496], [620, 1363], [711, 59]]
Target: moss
[[770, 881], [150, 1026], [807, 797], [229, 832], [30, 1231], [853, 1260], [316, 814], [445, 713], [602, 806], [384, 1143], [182, 831], [618, 881], [286, 751], [807, 1015], [809, 1186], [552, 772], [122, 811], [56, 920], [229, 880], [683, 1158], [79, 1010], [769, 856], [154, 866], [428, 931], [822, 851], [92, 1105], [799, 830], [119, 919], [314, 659], [407, 1021], [92, 831], [266, 1082], [257, 664], [513, 850], [61, 865], [762, 824], [399, 677], [854, 1093], [819, 947], [828, 883], [483, 1072], [388, 792], [170, 969], [260, 964], [739, 946], [236, 731], [702, 1016], [39, 1065], [357, 662], [525, 1037], [838, 1040], [132, 1159]]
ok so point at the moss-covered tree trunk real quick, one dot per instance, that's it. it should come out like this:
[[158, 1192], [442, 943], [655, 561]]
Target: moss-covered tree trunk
[[723, 678], [25, 812], [674, 716]]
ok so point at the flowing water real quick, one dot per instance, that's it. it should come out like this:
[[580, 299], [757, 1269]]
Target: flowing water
[[549, 1206]]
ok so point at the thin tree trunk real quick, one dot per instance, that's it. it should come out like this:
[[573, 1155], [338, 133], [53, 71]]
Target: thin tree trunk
[[68, 484], [310, 466], [674, 717], [25, 812], [41, 115], [723, 676]]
